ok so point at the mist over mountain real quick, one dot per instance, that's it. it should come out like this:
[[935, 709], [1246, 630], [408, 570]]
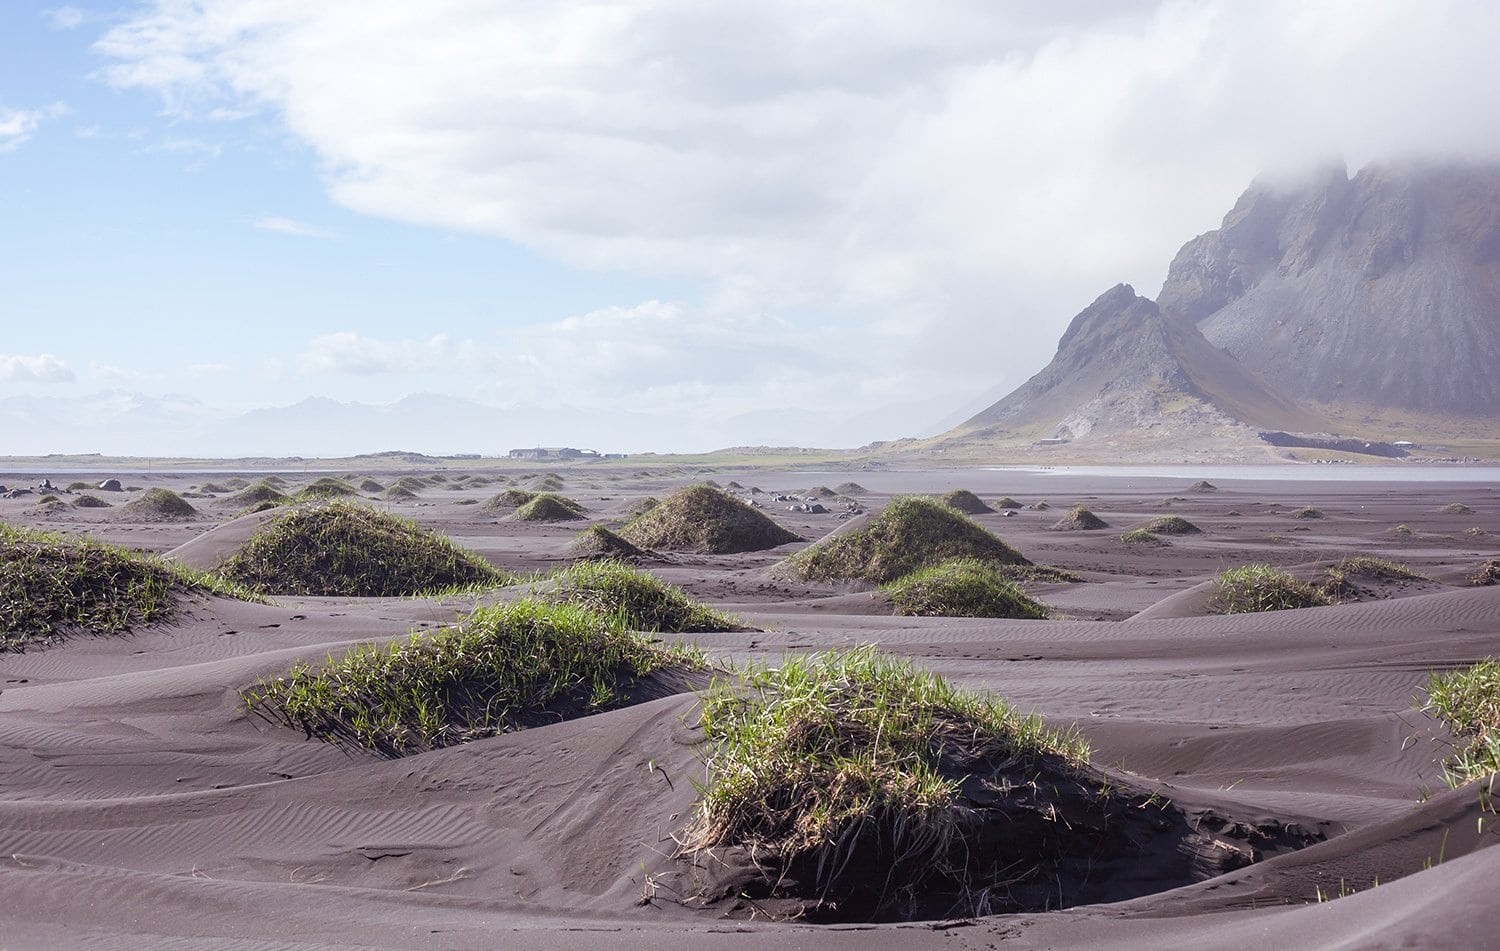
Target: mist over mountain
[[1326, 305]]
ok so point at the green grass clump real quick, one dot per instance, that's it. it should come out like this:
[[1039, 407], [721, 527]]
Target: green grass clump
[[635, 600], [966, 502], [213, 488], [1007, 503], [1337, 583], [547, 507], [160, 504], [87, 501], [1467, 700], [1308, 512], [79, 486], [508, 500], [53, 585], [843, 754], [47, 499], [1254, 588], [348, 549], [1078, 519], [596, 542], [641, 506], [371, 486], [551, 482], [256, 493], [912, 532], [704, 519], [963, 587], [328, 487], [1172, 525], [1141, 536], [397, 493], [502, 668]]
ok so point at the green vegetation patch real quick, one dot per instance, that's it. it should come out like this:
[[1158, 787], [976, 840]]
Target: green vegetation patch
[[910, 533], [1338, 580], [213, 488], [1141, 536], [502, 668], [257, 492], [633, 599], [1007, 503], [160, 505], [1254, 588], [328, 487], [348, 549], [397, 493], [54, 585], [966, 502], [87, 501], [702, 518], [547, 507], [1467, 700], [835, 764], [963, 587], [371, 486], [1308, 512], [1078, 519], [1172, 525], [508, 500], [596, 542], [551, 482]]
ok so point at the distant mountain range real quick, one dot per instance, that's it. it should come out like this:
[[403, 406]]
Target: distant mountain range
[[1367, 306]]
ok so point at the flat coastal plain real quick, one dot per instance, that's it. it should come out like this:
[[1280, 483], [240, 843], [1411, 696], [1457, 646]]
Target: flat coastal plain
[[142, 804]]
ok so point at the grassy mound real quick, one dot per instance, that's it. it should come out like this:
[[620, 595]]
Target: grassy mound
[[1468, 702], [966, 502], [702, 518], [1041, 506], [911, 533], [262, 491], [371, 486], [849, 775], [1487, 573], [213, 488], [1456, 508], [963, 587], [502, 668], [1078, 519], [1308, 512], [1007, 503], [328, 487], [79, 486], [160, 505], [596, 541], [1141, 536], [396, 493], [348, 549], [52, 585], [412, 484], [90, 502], [551, 482], [1203, 485], [549, 508], [1172, 525], [1338, 580], [1253, 588], [641, 506], [850, 488], [508, 500], [633, 599]]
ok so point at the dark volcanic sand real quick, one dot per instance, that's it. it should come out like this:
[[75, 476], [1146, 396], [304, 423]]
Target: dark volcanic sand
[[140, 806]]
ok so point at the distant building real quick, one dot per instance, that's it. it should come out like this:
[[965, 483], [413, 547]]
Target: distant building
[[554, 454], [1404, 444], [1055, 441]]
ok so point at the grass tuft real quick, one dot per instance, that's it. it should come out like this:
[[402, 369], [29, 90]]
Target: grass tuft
[[1254, 588], [598, 542], [910, 533], [547, 507], [840, 760], [1467, 700], [52, 585], [1172, 525], [349, 549], [256, 493], [1308, 512], [160, 505], [502, 668], [634, 599], [1487, 573], [1456, 508], [509, 500], [704, 519], [1078, 519], [328, 487], [1007, 503], [966, 502], [87, 501], [962, 587], [1141, 536]]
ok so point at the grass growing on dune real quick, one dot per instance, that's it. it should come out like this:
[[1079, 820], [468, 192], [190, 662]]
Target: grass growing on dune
[[635, 599], [1254, 588], [52, 585], [842, 754], [1172, 525], [963, 587], [1078, 519], [705, 519], [502, 668], [327, 487], [160, 504], [598, 542], [966, 502], [258, 492], [547, 507], [1467, 700], [912, 532], [349, 549], [1141, 536]]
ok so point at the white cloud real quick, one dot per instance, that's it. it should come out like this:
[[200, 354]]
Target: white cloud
[[117, 376], [349, 352], [18, 125], [294, 227], [960, 175], [40, 368], [66, 18]]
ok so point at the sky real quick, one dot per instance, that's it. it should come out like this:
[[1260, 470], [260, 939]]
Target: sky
[[272, 226]]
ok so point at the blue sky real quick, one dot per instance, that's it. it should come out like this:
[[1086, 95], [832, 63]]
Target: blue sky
[[667, 224]]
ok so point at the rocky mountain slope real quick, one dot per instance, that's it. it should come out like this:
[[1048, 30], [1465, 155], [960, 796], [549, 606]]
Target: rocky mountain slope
[[1318, 307]]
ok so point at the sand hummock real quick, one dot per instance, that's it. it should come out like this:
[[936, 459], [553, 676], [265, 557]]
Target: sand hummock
[[705, 519]]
